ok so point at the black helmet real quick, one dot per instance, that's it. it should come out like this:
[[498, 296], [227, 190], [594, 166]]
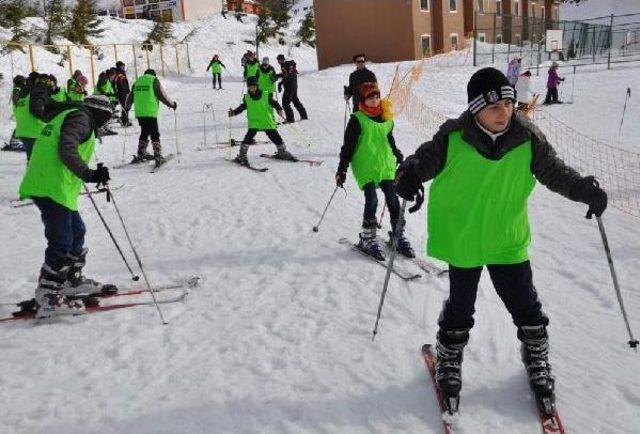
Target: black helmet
[[252, 81]]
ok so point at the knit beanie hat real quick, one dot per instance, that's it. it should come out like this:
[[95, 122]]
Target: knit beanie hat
[[487, 86], [252, 81]]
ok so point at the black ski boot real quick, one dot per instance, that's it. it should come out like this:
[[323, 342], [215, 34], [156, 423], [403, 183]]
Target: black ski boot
[[535, 356], [241, 158], [368, 243], [283, 154], [403, 246], [77, 285], [49, 300], [450, 346], [142, 155]]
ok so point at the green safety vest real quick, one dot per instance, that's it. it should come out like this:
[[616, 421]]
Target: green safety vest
[[145, 101], [60, 95], [478, 207], [259, 112], [106, 89], [216, 67], [72, 94], [252, 69], [46, 174], [373, 159], [265, 82], [27, 125]]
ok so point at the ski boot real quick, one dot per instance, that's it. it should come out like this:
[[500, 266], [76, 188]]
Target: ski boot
[[241, 158], [450, 346], [535, 356], [157, 154], [49, 300], [77, 285], [143, 155], [368, 243], [283, 154], [402, 245]]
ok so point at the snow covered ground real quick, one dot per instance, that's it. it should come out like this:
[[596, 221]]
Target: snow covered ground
[[277, 339]]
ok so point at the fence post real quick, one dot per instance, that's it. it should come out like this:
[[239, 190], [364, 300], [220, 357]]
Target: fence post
[[493, 45], [148, 61], [33, 66], [135, 59], [593, 44], [177, 59], [93, 72], [115, 51], [188, 57], [70, 59], [610, 42], [475, 37], [162, 59]]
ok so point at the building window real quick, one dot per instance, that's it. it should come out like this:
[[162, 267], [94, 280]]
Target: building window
[[518, 40], [499, 8], [498, 39], [454, 41], [481, 5], [424, 5], [453, 5], [482, 37], [425, 42]]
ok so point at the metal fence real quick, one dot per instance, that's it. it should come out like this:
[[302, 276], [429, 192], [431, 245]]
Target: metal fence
[[497, 38]]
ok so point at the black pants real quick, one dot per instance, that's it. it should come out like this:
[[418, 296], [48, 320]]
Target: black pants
[[273, 135], [514, 285], [149, 127], [552, 95], [291, 96], [213, 80], [371, 201]]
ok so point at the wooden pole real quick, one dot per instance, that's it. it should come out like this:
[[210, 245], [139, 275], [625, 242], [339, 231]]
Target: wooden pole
[[177, 60], [188, 57], [148, 62], [33, 65], [162, 59], [70, 59], [115, 51], [135, 59], [93, 72]]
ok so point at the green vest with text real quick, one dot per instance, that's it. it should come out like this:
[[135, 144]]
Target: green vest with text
[[259, 112], [145, 101], [373, 159], [27, 125]]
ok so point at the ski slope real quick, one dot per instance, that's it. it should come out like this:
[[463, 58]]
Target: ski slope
[[277, 338]]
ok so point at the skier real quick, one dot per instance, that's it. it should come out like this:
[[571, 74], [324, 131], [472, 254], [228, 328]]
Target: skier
[[76, 86], [484, 166], [251, 65], [513, 71], [259, 106], [15, 144], [266, 77], [105, 86], [356, 79], [216, 70], [524, 91], [53, 180], [289, 82], [122, 89], [28, 126], [553, 80], [370, 147], [58, 94], [146, 96]]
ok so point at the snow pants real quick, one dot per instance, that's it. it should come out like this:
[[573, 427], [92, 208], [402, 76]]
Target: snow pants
[[371, 202], [213, 80], [64, 230], [291, 96], [149, 127], [552, 95], [514, 285]]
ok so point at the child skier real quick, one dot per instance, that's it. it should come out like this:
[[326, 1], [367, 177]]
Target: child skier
[[76, 86], [484, 166], [266, 77], [259, 106], [553, 80], [216, 70], [250, 65], [28, 126], [53, 179], [370, 147]]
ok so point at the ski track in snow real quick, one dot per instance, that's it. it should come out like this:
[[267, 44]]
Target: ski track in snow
[[277, 338]]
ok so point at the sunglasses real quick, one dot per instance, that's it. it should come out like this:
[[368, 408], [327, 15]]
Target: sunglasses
[[360, 61]]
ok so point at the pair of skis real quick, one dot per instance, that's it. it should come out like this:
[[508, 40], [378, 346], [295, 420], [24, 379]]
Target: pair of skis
[[272, 157], [548, 424], [155, 167]]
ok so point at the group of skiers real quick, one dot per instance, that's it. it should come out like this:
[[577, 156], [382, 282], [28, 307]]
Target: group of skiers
[[523, 85], [484, 166]]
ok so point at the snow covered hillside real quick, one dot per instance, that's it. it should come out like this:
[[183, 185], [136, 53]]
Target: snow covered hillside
[[598, 8], [277, 338]]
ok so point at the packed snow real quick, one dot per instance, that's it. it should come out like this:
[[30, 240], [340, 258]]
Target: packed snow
[[277, 338]]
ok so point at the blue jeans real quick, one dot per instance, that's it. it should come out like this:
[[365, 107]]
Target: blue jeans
[[371, 201], [64, 230]]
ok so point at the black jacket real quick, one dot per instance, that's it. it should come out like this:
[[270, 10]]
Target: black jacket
[[351, 136], [546, 166], [121, 86], [356, 79], [288, 76], [256, 96]]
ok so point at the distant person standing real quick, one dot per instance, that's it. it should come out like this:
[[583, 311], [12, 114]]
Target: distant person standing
[[122, 89], [289, 82], [553, 80], [357, 78], [216, 70], [77, 86], [524, 91], [513, 71], [251, 65]]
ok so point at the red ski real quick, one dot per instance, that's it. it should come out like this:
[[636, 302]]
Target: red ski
[[551, 425], [430, 360]]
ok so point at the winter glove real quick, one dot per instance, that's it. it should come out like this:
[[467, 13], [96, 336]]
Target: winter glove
[[589, 192], [408, 185], [341, 177], [279, 87], [175, 106], [100, 175], [231, 113]]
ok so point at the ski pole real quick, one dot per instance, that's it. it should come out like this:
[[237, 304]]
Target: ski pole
[[392, 257], [573, 82], [230, 141], [135, 254], [297, 131], [175, 130], [633, 343], [134, 277], [124, 143], [346, 110], [384, 207], [204, 125], [213, 118], [316, 228], [624, 110]]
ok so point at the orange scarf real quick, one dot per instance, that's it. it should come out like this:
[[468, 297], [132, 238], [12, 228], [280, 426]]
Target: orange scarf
[[372, 112]]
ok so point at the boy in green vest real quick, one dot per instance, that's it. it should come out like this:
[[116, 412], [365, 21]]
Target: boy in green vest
[[484, 166], [216, 70], [259, 106], [28, 126], [266, 76], [371, 149], [76, 86], [146, 94], [14, 143], [251, 65], [53, 180]]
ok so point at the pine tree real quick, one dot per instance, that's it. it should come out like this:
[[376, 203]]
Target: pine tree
[[161, 31], [307, 32], [55, 16], [11, 17], [84, 23], [265, 28]]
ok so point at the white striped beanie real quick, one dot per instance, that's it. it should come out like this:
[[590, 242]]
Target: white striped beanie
[[487, 86]]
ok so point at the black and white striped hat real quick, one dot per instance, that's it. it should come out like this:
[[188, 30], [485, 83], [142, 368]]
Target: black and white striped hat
[[488, 86]]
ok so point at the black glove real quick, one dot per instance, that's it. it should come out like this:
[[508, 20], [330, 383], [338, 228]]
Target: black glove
[[100, 175], [341, 177], [231, 113], [591, 194], [408, 185], [175, 106], [279, 87], [399, 158]]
